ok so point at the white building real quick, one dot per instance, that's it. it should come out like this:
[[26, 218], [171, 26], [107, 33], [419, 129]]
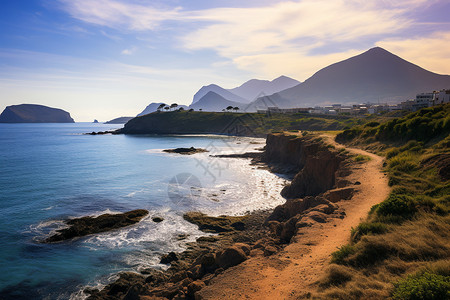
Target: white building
[[423, 100], [441, 97]]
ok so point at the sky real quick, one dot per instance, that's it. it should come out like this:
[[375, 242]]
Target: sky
[[102, 59]]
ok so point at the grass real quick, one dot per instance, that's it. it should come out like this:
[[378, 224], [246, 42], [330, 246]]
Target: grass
[[402, 250], [251, 124], [361, 158]]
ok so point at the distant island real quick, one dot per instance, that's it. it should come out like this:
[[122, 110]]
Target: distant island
[[120, 120], [33, 113]]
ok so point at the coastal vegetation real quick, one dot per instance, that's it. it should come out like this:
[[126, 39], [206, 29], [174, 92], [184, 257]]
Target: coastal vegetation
[[402, 250], [249, 124]]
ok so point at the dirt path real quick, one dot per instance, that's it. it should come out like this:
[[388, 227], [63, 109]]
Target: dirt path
[[293, 272]]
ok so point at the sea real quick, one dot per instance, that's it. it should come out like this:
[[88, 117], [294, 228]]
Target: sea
[[53, 172]]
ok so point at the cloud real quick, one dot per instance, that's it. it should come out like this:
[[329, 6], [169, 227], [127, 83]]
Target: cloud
[[244, 31], [118, 14], [129, 51], [287, 37], [430, 52]]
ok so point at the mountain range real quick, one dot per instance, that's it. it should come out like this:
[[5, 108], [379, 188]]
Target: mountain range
[[373, 76]]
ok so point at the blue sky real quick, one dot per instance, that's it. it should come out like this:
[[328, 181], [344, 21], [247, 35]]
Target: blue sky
[[109, 58]]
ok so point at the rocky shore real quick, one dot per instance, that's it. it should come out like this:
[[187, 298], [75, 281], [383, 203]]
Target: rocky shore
[[186, 151], [260, 234], [83, 226]]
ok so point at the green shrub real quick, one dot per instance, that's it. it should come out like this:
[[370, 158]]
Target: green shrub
[[339, 256], [360, 157], [372, 124], [422, 286], [397, 205], [367, 228], [404, 162], [393, 152]]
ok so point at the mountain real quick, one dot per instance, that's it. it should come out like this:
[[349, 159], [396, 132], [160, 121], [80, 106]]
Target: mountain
[[152, 107], [120, 120], [33, 113], [373, 76], [255, 88], [219, 91], [214, 102]]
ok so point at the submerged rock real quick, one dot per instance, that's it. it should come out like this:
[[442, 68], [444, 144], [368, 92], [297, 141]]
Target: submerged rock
[[186, 151], [88, 225]]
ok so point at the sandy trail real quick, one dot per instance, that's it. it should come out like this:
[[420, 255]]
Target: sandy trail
[[293, 272]]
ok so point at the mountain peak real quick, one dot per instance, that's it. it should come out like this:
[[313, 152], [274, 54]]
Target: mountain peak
[[376, 75]]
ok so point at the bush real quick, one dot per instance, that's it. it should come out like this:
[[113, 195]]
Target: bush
[[404, 162], [360, 157], [339, 256], [397, 205], [422, 286], [393, 152], [336, 275], [368, 228]]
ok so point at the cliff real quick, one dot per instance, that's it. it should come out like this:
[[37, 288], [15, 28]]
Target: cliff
[[315, 164], [32, 113]]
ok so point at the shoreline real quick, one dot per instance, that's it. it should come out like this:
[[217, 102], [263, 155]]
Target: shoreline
[[263, 234]]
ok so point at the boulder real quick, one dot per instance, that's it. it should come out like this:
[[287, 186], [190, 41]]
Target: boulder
[[195, 287], [230, 257], [168, 258], [339, 194]]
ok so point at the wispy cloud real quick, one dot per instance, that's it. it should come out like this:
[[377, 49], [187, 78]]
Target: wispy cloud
[[262, 37], [119, 14], [129, 51]]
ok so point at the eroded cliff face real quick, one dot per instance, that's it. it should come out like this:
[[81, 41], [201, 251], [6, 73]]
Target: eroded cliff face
[[319, 183], [316, 164]]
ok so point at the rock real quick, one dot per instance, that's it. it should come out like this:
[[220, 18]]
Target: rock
[[269, 250], [357, 183], [32, 113], [168, 258], [246, 248], [215, 224], [157, 219], [293, 207], [339, 194], [186, 151], [133, 293], [79, 227], [195, 287], [256, 252], [230, 257], [208, 260], [317, 216], [288, 230], [316, 164]]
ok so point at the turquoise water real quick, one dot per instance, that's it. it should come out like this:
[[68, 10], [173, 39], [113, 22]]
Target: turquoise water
[[50, 172]]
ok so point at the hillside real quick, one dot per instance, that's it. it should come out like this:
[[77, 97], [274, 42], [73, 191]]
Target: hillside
[[402, 249], [248, 124], [214, 102], [217, 90], [152, 107], [373, 76], [120, 120], [255, 88], [33, 113]]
